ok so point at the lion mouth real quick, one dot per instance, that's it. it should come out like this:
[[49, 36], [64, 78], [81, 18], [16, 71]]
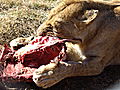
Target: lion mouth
[[20, 64]]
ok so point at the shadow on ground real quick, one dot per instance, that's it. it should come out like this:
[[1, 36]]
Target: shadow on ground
[[106, 80]]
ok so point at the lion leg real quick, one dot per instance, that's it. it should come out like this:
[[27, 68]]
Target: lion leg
[[47, 76], [87, 68]]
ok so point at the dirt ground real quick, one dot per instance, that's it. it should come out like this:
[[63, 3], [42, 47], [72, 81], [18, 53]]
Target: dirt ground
[[109, 79]]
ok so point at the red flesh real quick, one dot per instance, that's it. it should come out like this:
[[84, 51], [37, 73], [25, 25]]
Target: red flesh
[[40, 51]]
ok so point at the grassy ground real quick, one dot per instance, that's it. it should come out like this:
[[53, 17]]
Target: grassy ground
[[20, 18]]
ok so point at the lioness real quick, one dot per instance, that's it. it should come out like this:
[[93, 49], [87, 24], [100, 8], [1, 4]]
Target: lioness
[[94, 27]]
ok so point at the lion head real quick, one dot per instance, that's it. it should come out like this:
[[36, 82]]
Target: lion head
[[76, 19]]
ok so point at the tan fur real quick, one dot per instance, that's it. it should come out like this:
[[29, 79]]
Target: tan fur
[[94, 26]]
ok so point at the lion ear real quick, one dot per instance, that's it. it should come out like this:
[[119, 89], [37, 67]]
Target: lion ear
[[89, 16]]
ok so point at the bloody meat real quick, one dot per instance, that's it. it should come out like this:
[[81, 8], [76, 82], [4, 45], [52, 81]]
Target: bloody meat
[[20, 64]]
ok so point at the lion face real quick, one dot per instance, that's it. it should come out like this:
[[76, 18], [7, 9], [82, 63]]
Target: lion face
[[76, 19], [68, 21]]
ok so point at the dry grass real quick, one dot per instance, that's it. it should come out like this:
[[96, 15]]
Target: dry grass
[[21, 18]]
